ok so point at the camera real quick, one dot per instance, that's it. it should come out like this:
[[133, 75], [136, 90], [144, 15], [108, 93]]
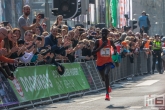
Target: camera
[[39, 38], [41, 15], [5, 23]]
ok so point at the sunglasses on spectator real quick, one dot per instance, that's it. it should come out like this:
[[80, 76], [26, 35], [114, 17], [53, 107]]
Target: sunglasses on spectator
[[4, 34]]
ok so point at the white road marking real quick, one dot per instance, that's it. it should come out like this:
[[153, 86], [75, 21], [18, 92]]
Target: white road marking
[[147, 83], [92, 99], [135, 107]]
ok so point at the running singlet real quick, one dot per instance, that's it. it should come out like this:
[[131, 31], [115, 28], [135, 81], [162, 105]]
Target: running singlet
[[104, 55]]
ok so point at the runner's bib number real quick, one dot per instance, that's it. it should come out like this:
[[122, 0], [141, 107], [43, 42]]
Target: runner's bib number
[[105, 52]]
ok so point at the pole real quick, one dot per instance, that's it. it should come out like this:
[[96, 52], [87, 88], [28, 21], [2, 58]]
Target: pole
[[95, 18], [163, 17], [105, 13], [47, 15], [97, 11], [88, 14]]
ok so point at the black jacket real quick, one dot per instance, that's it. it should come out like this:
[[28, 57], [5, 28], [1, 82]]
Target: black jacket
[[49, 40]]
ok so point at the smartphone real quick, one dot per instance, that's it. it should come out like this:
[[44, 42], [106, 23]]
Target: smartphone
[[39, 38], [5, 23], [42, 16], [59, 30], [34, 21]]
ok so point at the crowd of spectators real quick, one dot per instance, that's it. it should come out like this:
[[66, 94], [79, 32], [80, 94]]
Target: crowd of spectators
[[31, 44]]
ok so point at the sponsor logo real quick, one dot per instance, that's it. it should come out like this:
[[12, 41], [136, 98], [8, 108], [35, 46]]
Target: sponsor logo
[[18, 87]]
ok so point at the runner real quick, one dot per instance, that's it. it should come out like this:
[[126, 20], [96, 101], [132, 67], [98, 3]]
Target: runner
[[104, 61]]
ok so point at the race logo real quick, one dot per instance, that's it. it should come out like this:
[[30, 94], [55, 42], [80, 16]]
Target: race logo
[[154, 100], [18, 87]]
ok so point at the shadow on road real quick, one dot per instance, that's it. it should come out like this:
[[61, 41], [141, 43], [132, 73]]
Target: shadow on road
[[116, 107]]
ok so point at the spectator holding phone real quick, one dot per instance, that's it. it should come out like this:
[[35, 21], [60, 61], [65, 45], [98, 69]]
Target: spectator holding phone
[[24, 22], [43, 24], [51, 40], [58, 21]]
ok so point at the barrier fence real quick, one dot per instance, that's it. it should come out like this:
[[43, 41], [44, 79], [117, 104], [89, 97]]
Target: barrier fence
[[38, 84]]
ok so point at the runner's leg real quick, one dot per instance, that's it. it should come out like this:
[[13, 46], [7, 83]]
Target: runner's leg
[[106, 73], [102, 74]]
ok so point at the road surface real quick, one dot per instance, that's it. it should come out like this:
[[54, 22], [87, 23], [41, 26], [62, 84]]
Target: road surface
[[126, 95]]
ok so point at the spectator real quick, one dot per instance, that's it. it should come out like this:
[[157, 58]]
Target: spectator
[[58, 21], [143, 23], [45, 33], [66, 28], [17, 32], [37, 31], [51, 41], [43, 24], [3, 35], [24, 22]]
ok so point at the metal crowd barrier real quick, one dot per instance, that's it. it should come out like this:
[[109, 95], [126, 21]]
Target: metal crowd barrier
[[125, 70]]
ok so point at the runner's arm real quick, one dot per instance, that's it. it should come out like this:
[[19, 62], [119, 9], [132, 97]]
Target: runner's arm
[[113, 45], [96, 48]]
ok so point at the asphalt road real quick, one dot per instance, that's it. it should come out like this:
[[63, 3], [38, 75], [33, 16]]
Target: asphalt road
[[126, 95]]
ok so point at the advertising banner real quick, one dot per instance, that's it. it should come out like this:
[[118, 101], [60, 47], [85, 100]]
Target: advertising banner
[[108, 13], [7, 96], [37, 82], [113, 5], [122, 12]]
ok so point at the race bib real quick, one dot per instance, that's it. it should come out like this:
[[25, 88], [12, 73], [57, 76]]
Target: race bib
[[105, 52]]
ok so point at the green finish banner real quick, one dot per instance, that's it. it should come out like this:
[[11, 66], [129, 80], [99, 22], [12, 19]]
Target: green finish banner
[[38, 82]]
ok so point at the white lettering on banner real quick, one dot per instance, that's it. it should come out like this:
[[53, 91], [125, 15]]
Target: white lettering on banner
[[43, 81], [31, 80], [68, 72], [83, 82], [55, 74], [67, 83], [33, 83], [60, 85], [74, 71], [25, 83], [39, 82]]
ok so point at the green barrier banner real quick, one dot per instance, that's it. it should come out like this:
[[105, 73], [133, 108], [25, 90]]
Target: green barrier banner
[[37, 82]]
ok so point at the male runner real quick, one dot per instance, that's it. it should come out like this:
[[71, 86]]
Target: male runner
[[104, 60]]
